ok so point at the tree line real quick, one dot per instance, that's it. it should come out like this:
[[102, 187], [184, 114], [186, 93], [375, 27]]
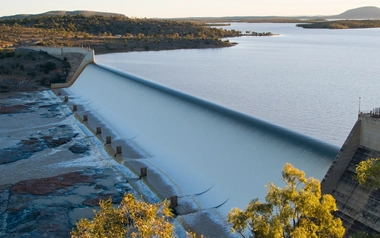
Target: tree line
[[342, 24], [69, 30]]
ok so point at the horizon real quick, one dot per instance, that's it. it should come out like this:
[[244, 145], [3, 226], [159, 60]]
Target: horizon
[[196, 8]]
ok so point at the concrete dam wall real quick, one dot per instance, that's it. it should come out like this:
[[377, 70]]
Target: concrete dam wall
[[201, 146], [358, 206]]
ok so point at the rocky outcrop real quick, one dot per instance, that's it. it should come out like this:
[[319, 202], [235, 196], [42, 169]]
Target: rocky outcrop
[[52, 138], [49, 178], [49, 207]]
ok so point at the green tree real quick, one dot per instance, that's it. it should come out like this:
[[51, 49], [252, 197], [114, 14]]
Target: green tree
[[297, 210], [368, 173], [132, 218]]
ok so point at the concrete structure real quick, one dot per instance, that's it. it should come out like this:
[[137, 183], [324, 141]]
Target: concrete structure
[[59, 51], [358, 207]]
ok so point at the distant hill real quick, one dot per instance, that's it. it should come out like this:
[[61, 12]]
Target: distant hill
[[61, 13], [360, 13], [356, 13]]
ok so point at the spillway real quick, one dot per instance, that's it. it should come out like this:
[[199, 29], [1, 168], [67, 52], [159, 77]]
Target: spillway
[[199, 144]]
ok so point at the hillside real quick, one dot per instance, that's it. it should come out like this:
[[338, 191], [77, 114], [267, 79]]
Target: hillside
[[107, 34], [357, 13], [27, 70], [360, 13], [63, 13], [343, 24]]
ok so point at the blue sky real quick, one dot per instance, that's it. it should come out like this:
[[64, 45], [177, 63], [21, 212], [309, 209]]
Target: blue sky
[[180, 8]]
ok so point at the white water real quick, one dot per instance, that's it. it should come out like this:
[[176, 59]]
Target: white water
[[200, 147], [307, 80]]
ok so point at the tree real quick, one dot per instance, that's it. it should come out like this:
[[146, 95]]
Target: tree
[[297, 210], [368, 173], [132, 218]]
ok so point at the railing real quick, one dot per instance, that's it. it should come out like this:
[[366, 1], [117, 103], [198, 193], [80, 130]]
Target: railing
[[375, 112]]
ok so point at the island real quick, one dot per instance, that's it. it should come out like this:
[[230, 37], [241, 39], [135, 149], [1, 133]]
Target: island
[[342, 24]]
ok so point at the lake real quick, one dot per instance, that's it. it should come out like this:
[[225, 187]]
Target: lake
[[306, 80]]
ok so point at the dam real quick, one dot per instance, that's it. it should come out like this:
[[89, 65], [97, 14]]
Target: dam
[[220, 157], [357, 205]]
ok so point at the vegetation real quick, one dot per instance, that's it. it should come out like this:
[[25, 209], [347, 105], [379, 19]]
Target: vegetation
[[368, 173], [281, 20], [25, 70], [116, 25], [250, 19], [297, 210], [100, 32], [343, 24], [132, 218]]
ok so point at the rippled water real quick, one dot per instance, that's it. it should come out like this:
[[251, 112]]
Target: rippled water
[[306, 80]]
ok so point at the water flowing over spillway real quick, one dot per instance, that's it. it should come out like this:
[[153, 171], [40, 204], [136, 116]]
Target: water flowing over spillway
[[199, 144]]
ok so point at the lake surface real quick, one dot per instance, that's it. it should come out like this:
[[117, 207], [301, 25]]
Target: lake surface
[[306, 80]]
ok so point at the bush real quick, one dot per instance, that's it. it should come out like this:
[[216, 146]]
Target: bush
[[132, 218]]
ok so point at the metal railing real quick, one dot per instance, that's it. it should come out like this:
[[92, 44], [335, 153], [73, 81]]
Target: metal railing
[[375, 112]]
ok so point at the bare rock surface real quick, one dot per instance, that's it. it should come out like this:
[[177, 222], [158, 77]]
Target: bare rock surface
[[49, 177]]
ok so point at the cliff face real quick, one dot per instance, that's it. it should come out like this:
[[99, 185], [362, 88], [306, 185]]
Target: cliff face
[[358, 207]]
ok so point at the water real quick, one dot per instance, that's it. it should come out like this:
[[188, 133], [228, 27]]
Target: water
[[306, 80], [200, 145]]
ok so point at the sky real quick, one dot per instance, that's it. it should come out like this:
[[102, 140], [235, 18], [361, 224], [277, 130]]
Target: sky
[[193, 8]]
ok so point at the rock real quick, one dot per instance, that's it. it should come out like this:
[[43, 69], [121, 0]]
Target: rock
[[49, 185], [79, 213], [14, 109], [54, 137], [93, 202], [4, 196], [79, 148], [18, 202], [21, 221]]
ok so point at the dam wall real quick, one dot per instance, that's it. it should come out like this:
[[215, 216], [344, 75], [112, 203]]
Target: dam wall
[[202, 146], [59, 51], [370, 132], [358, 207]]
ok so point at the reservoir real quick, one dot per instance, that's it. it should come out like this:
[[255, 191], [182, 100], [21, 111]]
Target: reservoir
[[306, 80], [225, 121]]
